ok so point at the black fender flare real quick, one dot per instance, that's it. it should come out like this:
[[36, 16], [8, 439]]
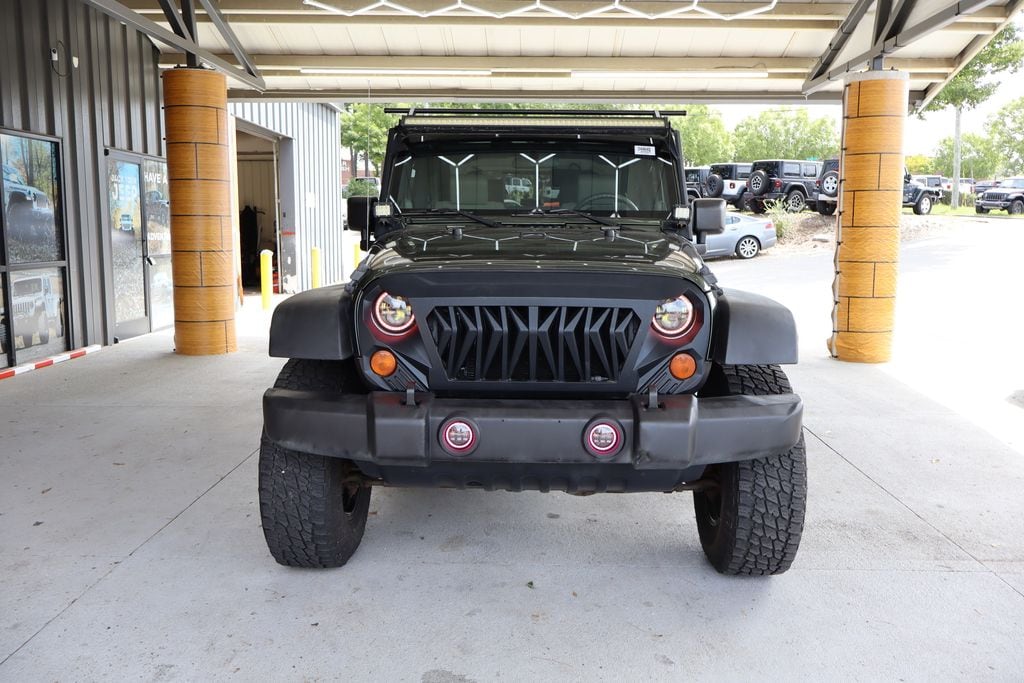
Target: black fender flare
[[316, 325], [750, 329]]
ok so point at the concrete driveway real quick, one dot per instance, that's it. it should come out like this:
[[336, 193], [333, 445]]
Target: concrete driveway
[[130, 544]]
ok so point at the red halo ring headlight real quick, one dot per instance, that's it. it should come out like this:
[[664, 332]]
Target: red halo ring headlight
[[392, 314], [603, 438], [458, 436], [674, 318]]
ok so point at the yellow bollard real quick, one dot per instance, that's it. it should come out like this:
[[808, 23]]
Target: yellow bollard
[[314, 265], [266, 276]]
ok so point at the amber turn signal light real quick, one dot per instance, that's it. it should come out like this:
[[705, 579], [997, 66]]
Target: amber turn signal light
[[682, 366], [383, 363]]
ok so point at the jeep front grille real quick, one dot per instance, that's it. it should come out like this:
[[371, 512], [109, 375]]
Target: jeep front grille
[[533, 343]]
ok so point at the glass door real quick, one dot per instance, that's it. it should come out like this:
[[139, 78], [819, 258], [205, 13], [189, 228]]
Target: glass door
[[127, 246], [157, 209]]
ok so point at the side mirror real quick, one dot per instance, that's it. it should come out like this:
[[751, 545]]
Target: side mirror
[[360, 214], [707, 217]]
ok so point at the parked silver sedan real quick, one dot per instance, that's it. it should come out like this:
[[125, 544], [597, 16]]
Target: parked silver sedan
[[744, 236]]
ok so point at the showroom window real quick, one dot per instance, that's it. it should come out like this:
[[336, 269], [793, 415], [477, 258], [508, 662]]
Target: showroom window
[[33, 260]]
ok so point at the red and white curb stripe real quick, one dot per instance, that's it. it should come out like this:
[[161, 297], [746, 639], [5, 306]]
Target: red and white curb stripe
[[52, 360]]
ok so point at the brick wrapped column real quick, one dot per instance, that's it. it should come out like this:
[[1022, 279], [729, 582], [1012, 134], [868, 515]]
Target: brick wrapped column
[[195, 113], [868, 231]]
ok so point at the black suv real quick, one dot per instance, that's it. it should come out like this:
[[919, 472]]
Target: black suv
[[792, 182], [1008, 196], [729, 181], [568, 336]]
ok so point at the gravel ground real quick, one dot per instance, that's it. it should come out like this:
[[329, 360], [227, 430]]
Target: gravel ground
[[801, 231]]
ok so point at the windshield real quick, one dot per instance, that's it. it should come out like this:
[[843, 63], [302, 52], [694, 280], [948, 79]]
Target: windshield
[[508, 181]]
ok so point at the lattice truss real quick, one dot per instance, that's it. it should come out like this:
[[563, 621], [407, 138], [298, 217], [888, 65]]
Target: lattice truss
[[621, 8]]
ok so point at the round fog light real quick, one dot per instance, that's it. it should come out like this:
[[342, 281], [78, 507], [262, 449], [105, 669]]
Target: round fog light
[[383, 363], [682, 366], [603, 438], [458, 437]]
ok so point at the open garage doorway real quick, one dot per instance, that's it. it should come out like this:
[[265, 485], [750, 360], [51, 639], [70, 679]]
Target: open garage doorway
[[257, 155]]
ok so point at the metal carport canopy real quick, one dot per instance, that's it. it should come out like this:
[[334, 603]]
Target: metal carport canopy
[[581, 50]]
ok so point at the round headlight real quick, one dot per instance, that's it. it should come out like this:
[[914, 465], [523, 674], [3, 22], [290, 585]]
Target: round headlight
[[393, 314], [674, 317]]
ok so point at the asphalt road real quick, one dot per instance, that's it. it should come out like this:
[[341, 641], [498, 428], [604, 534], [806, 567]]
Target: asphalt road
[[130, 544]]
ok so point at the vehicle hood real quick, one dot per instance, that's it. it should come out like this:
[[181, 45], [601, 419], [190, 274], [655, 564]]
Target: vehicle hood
[[535, 248]]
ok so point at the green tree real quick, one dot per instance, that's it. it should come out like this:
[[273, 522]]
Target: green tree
[[361, 187], [704, 137], [920, 164], [364, 129], [979, 156], [1006, 127], [973, 85], [785, 134]]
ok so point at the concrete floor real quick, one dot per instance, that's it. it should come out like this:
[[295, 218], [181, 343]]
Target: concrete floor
[[130, 544]]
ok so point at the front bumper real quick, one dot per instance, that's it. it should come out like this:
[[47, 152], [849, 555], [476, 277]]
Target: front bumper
[[682, 432], [993, 204]]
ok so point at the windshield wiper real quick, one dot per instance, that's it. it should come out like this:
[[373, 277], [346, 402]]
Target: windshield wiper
[[456, 212], [572, 212]]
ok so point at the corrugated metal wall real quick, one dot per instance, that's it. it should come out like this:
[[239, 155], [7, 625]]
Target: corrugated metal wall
[[310, 183], [112, 99]]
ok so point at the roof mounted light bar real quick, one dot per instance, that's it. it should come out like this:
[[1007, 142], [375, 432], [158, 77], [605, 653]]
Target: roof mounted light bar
[[536, 113]]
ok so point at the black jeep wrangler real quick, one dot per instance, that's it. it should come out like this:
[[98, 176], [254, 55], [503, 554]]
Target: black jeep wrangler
[[559, 335], [785, 180], [1008, 196]]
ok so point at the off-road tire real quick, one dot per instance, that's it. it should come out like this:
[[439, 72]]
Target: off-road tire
[[1016, 207], [830, 184], [756, 206], [715, 185], [923, 206], [796, 201], [740, 204], [759, 183], [980, 209], [751, 523], [312, 507], [826, 208]]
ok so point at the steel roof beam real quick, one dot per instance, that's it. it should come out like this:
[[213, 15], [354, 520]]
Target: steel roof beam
[[936, 21], [118, 11], [229, 37]]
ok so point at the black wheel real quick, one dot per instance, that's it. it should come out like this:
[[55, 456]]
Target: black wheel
[[756, 206], [980, 209], [830, 184], [923, 207], [759, 183], [826, 208], [1016, 207], [748, 247], [741, 203], [750, 522], [795, 201], [715, 185], [313, 507]]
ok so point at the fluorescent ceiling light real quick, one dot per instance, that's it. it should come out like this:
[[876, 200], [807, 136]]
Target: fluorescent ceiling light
[[705, 75], [395, 72]]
